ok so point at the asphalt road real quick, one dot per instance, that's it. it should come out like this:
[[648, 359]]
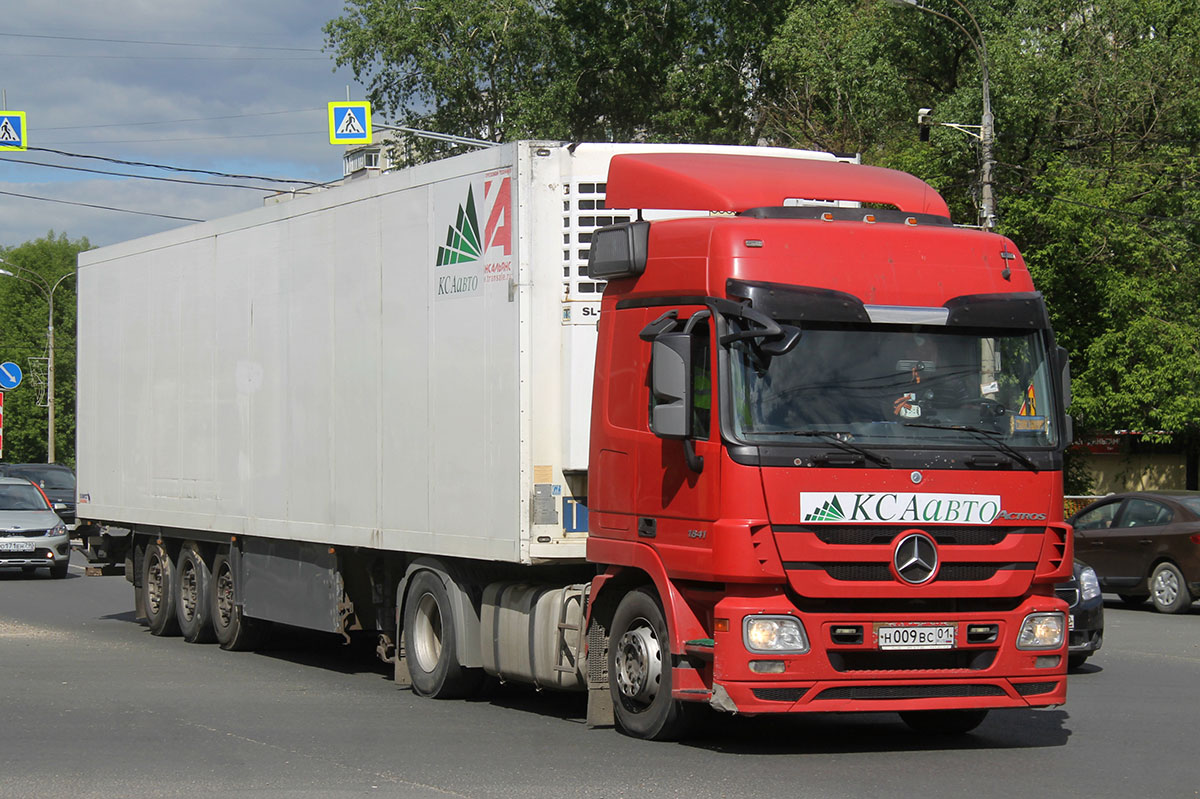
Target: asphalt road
[[92, 705]]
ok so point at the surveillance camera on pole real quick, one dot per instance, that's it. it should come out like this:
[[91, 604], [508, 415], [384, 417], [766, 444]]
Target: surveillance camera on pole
[[924, 120]]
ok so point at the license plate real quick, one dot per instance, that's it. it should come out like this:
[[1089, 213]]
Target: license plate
[[16, 546], [1071, 622], [917, 636]]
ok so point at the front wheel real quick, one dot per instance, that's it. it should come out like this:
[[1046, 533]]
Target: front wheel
[[943, 722], [639, 672], [1133, 600], [430, 641], [1168, 590], [1075, 662]]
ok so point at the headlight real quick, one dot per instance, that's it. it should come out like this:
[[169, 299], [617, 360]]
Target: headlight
[[1042, 631], [774, 634], [58, 529], [1089, 585]]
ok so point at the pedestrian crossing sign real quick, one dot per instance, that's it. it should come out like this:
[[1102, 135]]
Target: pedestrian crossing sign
[[350, 123], [12, 130]]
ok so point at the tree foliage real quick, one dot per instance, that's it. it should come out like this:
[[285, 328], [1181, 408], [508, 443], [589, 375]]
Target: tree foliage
[[37, 266], [1097, 107]]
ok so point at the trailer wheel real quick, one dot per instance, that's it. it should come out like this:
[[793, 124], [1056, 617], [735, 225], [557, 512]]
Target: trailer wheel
[[193, 600], [429, 641], [158, 591], [639, 672], [943, 722], [233, 631]]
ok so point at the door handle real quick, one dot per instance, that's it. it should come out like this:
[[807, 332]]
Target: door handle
[[1146, 541]]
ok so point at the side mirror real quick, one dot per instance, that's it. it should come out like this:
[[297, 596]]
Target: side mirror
[[60, 506], [671, 385]]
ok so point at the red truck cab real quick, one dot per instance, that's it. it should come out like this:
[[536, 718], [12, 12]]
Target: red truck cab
[[826, 451]]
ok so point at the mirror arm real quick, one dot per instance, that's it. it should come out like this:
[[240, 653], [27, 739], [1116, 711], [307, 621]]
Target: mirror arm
[[695, 462]]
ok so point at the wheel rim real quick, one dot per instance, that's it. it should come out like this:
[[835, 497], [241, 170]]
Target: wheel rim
[[639, 663], [155, 584], [224, 593], [188, 590], [1166, 587], [427, 633]]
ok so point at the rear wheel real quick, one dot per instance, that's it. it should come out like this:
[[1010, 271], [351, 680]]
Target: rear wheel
[[429, 641], [193, 599], [158, 590], [1168, 591], [943, 722], [233, 631], [639, 672]]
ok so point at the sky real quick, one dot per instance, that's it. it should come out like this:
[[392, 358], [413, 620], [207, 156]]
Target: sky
[[232, 86]]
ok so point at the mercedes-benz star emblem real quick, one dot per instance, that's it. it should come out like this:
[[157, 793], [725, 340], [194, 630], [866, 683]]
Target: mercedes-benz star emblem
[[915, 558]]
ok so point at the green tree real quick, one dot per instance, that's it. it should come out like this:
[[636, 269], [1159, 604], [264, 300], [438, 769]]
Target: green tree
[[1097, 108], [37, 266]]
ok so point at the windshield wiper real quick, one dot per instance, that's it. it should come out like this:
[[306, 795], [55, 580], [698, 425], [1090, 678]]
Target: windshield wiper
[[986, 435], [833, 437]]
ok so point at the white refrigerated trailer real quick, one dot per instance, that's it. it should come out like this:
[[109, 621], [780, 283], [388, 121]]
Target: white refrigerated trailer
[[313, 411]]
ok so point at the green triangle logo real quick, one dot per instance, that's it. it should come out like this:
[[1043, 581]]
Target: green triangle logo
[[462, 238], [831, 511]]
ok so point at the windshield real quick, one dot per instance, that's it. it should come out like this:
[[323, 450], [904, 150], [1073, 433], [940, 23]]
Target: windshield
[[21, 497], [896, 385]]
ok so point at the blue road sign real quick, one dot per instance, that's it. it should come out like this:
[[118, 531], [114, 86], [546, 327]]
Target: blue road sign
[[350, 123], [10, 375], [12, 131]]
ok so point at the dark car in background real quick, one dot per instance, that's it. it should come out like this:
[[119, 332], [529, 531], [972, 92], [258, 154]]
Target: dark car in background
[[56, 481], [1086, 627], [1144, 545]]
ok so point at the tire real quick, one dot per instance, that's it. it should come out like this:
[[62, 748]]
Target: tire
[[1168, 590], [1133, 600], [1075, 662], [233, 631], [58, 571], [158, 591], [193, 596], [430, 628], [639, 672], [943, 722]]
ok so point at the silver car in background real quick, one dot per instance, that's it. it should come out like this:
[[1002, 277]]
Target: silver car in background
[[31, 534]]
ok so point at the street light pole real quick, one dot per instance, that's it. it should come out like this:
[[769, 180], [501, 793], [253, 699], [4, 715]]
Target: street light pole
[[48, 292], [987, 130]]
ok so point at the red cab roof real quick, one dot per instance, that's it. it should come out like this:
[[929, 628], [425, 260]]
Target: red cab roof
[[736, 182]]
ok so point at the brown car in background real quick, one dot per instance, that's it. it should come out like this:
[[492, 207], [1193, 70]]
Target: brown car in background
[[1144, 544]]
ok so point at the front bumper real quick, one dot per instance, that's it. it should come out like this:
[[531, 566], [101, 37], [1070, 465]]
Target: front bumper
[[1087, 627], [46, 551], [841, 674]]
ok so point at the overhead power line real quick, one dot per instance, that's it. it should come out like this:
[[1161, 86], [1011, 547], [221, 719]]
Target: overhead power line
[[170, 168], [101, 207], [163, 44], [192, 119], [132, 175]]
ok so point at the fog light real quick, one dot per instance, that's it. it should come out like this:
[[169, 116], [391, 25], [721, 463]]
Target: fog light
[[766, 666], [1042, 631], [774, 634], [1047, 661]]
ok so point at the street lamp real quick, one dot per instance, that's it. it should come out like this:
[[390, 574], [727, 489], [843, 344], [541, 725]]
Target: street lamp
[[47, 290], [987, 131]]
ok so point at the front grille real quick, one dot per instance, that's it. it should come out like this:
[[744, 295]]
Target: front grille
[[1031, 688], [880, 572], [23, 533], [1068, 595], [778, 694], [917, 660], [909, 691], [874, 534]]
